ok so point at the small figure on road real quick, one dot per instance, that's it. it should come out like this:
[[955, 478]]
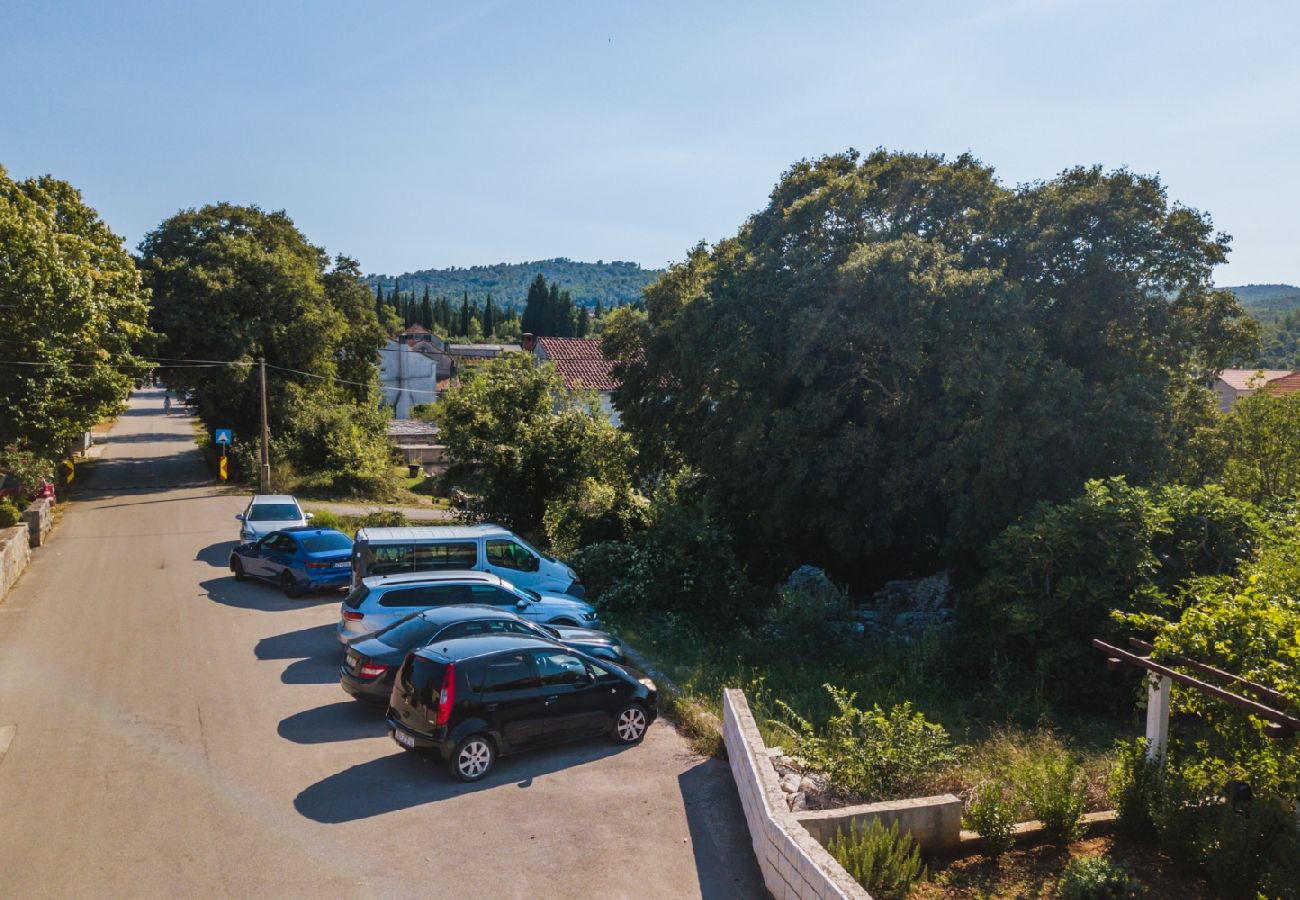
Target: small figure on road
[[167, 403]]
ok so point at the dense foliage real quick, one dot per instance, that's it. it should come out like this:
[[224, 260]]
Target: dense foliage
[[880, 859], [73, 316], [531, 440], [550, 311], [899, 355], [611, 283], [1053, 580], [1096, 878], [237, 283], [1261, 456]]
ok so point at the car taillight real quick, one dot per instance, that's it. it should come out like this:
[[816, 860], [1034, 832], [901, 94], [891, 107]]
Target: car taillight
[[353, 616], [447, 696], [372, 670]]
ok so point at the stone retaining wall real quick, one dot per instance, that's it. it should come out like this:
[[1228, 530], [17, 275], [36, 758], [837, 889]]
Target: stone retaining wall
[[39, 517], [933, 822], [15, 551], [793, 863]]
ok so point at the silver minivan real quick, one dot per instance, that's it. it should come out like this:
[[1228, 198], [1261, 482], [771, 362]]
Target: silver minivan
[[479, 548]]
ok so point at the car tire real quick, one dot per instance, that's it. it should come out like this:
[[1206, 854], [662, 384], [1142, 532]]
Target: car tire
[[630, 724], [472, 758], [289, 585], [237, 566]]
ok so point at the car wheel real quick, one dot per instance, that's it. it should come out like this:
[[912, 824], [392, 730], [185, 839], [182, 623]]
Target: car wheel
[[237, 567], [473, 758], [289, 585], [630, 724]]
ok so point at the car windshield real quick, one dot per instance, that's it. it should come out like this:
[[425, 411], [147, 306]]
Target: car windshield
[[531, 593], [414, 632], [273, 512], [319, 543]]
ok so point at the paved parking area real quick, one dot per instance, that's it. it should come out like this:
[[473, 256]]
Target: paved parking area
[[175, 733]]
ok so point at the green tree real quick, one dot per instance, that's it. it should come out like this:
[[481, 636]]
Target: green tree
[[465, 315], [915, 355], [73, 316], [536, 307], [237, 283], [532, 440], [1262, 455], [489, 318]]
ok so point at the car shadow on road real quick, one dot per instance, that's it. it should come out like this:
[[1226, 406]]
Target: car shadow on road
[[261, 596], [403, 780], [217, 555], [305, 642], [347, 720], [724, 854]]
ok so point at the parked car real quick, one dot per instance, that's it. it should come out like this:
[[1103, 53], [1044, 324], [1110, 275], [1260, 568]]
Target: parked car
[[439, 548], [473, 699], [371, 660], [270, 512], [298, 560], [382, 600]]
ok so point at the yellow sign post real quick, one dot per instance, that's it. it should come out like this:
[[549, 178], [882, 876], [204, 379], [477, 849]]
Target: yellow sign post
[[221, 464], [69, 470]]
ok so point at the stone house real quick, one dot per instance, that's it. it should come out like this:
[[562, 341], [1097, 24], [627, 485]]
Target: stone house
[[1233, 384], [581, 365]]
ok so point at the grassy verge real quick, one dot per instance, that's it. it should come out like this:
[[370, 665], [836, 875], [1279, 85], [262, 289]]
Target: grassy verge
[[997, 730]]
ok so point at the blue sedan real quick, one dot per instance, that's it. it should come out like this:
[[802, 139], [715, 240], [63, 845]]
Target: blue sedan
[[302, 559]]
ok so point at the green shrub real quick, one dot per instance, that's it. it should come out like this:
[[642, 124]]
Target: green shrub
[[871, 753], [1056, 792], [384, 518], [1133, 787], [803, 615], [28, 467], [595, 511], [1096, 878], [10, 514], [992, 815], [324, 518], [884, 862]]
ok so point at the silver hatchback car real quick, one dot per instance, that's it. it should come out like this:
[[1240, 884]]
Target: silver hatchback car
[[382, 600]]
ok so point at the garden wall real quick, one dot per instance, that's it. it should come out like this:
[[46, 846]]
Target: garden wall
[[39, 517], [15, 551], [933, 822], [793, 863]]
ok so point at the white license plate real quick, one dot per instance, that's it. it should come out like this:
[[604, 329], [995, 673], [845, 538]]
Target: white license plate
[[404, 739], [347, 563], [352, 660]]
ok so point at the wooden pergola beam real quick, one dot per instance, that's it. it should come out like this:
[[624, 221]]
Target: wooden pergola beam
[[1264, 693]]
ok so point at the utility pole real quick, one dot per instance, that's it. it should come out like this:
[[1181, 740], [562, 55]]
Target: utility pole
[[264, 482]]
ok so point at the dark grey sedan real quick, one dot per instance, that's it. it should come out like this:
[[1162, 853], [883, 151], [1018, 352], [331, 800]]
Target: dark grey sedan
[[371, 660]]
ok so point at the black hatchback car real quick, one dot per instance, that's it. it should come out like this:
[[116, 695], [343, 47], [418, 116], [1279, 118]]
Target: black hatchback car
[[474, 699], [370, 662]]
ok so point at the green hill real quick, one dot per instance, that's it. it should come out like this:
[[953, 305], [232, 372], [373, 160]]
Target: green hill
[[612, 283], [1268, 302]]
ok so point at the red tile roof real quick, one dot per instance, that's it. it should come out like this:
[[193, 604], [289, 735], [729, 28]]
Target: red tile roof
[[1287, 384], [579, 362]]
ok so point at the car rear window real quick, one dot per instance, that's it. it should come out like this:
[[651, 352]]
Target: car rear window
[[320, 543], [392, 559], [357, 597], [509, 673], [427, 595], [273, 512], [414, 632], [424, 678]]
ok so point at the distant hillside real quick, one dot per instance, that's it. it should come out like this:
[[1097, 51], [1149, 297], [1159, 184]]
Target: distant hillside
[[612, 283], [1268, 302]]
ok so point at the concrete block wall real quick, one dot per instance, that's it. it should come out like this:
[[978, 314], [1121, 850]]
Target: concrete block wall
[[15, 551], [933, 822], [793, 863], [39, 517]]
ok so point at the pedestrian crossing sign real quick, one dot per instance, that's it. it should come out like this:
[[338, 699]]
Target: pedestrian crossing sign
[[223, 436]]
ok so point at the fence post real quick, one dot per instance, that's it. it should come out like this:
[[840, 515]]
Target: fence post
[[1158, 688]]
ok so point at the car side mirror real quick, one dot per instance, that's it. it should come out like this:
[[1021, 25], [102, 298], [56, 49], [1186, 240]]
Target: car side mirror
[[239, 516], [521, 604], [308, 516]]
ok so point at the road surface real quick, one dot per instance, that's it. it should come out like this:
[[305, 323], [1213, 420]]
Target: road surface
[[173, 733]]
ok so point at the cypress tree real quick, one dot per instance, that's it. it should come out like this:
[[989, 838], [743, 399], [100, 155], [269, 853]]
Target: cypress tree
[[489, 318], [426, 310], [599, 312], [583, 325], [554, 312], [464, 314], [535, 306]]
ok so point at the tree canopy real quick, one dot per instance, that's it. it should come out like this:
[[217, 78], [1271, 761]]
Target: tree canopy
[[899, 355], [73, 315]]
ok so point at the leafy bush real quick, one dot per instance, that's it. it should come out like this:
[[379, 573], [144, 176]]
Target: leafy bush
[[803, 615], [1055, 790], [870, 753], [1096, 878], [992, 815], [883, 861], [1055, 579], [30, 468], [383, 518], [324, 518], [1133, 787], [10, 514], [595, 511]]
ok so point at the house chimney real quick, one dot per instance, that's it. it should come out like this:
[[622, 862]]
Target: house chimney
[[528, 341]]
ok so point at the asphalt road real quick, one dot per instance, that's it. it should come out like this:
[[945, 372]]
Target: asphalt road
[[175, 733]]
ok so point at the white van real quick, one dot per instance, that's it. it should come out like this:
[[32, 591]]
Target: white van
[[481, 548]]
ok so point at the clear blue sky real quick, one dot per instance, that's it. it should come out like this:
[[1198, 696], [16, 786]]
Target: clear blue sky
[[420, 134]]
